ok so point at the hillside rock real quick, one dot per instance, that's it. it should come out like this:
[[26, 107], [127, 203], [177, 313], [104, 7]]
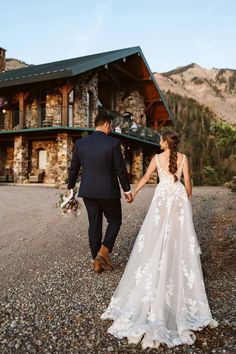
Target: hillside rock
[[215, 88], [12, 64]]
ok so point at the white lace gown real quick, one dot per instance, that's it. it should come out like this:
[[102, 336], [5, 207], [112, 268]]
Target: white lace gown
[[161, 296]]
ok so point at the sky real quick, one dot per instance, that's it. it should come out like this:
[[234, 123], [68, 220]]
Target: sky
[[170, 33]]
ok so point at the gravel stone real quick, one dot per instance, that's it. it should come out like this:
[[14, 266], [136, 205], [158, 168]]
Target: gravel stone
[[50, 298]]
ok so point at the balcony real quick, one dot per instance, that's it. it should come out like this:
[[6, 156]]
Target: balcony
[[52, 118], [126, 126]]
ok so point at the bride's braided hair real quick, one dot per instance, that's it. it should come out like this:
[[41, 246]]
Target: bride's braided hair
[[172, 140]]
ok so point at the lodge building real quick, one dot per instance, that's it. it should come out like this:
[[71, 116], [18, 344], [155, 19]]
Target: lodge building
[[45, 108]]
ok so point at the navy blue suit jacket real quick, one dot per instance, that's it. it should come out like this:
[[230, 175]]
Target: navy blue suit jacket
[[102, 162]]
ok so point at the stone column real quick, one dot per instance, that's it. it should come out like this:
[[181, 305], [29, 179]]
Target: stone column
[[137, 165], [31, 114], [64, 156], [7, 120], [20, 159], [53, 110]]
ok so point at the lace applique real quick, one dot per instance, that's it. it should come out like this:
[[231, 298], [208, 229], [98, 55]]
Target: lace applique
[[140, 242], [148, 289], [169, 291], [189, 274], [181, 216]]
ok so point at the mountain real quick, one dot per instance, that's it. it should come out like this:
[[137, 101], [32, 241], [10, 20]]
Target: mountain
[[204, 106], [214, 88], [12, 64]]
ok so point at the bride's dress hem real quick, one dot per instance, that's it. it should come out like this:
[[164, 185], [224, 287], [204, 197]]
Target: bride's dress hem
[[153, 334]]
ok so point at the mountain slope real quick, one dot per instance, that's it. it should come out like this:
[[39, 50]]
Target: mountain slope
[[214, 88], [12, 64]]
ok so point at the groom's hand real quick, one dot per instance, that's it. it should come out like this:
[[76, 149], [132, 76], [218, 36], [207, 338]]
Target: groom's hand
[[128, 197]]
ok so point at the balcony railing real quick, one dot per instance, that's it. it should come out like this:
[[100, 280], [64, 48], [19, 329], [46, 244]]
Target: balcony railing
[[128, 126], [52, 117]]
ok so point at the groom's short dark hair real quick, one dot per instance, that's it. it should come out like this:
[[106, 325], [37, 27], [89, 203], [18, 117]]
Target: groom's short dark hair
[[102, 117]]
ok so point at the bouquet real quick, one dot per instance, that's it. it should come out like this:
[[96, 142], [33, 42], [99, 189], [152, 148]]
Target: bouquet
[[69, 205]]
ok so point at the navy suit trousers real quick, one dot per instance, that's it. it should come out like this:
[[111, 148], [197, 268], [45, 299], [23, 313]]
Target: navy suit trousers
[[111, 209]]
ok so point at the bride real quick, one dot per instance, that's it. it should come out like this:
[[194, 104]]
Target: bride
[[161, 297]]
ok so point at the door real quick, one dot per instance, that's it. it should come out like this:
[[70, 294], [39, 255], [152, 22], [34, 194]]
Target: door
[[42, 159]]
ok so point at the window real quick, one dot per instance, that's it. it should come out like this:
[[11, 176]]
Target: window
[[71, 108]]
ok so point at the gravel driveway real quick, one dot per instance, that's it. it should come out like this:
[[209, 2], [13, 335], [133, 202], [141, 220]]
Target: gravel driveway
[[51, 299]]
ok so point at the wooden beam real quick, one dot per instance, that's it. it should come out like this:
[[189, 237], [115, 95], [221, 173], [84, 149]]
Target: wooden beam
[[26, 94], [159, 124], [154, 100], [124, 71], [149, 106]]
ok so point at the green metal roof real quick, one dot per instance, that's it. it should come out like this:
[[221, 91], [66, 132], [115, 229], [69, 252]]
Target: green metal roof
[[63, 68], [73, 67]]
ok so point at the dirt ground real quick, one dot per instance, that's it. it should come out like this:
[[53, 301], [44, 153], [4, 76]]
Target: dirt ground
[[50, 298]]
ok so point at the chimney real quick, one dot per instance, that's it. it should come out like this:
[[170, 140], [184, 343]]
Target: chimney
[[2, 60]]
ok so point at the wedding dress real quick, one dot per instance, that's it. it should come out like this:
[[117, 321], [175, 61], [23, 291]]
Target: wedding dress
[[161, 297]]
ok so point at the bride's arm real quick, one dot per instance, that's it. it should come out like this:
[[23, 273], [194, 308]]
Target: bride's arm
[[151, 168], [187, 178]]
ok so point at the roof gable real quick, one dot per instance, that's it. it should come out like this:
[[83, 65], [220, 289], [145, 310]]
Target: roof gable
[[63, 68]]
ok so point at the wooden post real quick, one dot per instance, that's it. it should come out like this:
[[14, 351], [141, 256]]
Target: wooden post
[[64, 93], [22, 96], [21, 110], [65, 90]]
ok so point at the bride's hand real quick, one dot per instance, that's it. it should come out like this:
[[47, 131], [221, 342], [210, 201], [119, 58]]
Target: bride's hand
[[128, 197], [133, 195]]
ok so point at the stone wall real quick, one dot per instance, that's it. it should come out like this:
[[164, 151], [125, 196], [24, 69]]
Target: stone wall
[[51, 146], [7, 120], [53, 113], [137, 169], [81, 104], [31, 114], [134, 104], [3, 154], [59, 154], [64, 156], [137, 165], [20, 159], [153, 178]]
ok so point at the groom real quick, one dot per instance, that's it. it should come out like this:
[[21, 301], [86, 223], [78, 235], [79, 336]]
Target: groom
[[102, 162]]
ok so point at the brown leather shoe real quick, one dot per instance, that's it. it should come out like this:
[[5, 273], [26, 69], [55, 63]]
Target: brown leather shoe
[[97, 266], [103, 257]]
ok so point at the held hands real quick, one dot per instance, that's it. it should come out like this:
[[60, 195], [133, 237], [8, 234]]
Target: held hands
[[130, 197]]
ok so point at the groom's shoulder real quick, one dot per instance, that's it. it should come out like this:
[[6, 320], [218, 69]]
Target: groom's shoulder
[[113, 141], [82, 140]]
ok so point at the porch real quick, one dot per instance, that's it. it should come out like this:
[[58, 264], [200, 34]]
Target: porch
[[49, 150]]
